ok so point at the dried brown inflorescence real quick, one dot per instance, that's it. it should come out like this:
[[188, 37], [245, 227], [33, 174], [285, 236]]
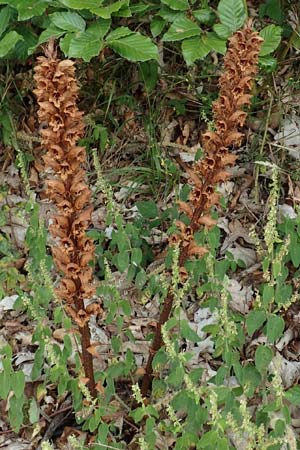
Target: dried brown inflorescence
[[240, 67], [61, 128], [240, 64]]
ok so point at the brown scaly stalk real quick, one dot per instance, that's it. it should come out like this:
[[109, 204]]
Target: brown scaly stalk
[[61, 127], [240, 63]]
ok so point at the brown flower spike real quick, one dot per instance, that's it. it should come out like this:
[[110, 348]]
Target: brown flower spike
[[61, 127], [240, 64]]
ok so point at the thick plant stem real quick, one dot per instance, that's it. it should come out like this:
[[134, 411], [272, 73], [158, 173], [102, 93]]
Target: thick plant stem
[[235, 83], [87, 359]]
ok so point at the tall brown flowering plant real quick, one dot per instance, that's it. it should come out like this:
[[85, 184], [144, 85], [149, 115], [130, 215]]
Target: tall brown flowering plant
[[235, 84], [61, 127]]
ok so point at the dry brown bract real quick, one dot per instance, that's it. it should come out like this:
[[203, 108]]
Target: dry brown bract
[[61, 128]]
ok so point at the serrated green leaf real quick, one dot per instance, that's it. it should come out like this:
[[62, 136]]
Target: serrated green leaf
[[275, 327], [263, 357], [85, 45], [118, 33], [181, 28], [176, 375], [5, 15], [293, 395], [82, 4], [22, 47], [272, 37], [157, 25], [106, 11], [147, 209], [193, 49], [178, 5], [215, 43], [232, 13], [188, 333], [30, 8], [268, 63], [254, 321], [222, 31], [209, 439], [47, 34], [268, 294], [64, 43], [135, 47], [68, 21], [251, 378], [100, 27], [8, 42], [204, 15]]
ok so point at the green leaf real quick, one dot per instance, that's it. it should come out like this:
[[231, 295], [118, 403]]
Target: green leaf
[[222, 31], [30, 8], [268, 294], [5, 15], [64, 43], [187, 332], [176, 375], [118, 33], [106, 11], [209, 439], [4, 384], [68, 21], [178, 5], [141, 279], [254, 320], [123, 261], [268, 63], [136, 256], [85, 45], [275, 327], [295, 253], [18, 383], [148, 71], [34, 411], [38, 363], [8, 42], [147, 209], [181, 28], [232, 13], [157, 25], [263, 357], [272, 37], [22, 47], [48, 33], [15, 412], [100, 27], [204, 15], [82, 4], [293, 395], [193, 49], [251, 378], [135, 47], [215, 43]]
